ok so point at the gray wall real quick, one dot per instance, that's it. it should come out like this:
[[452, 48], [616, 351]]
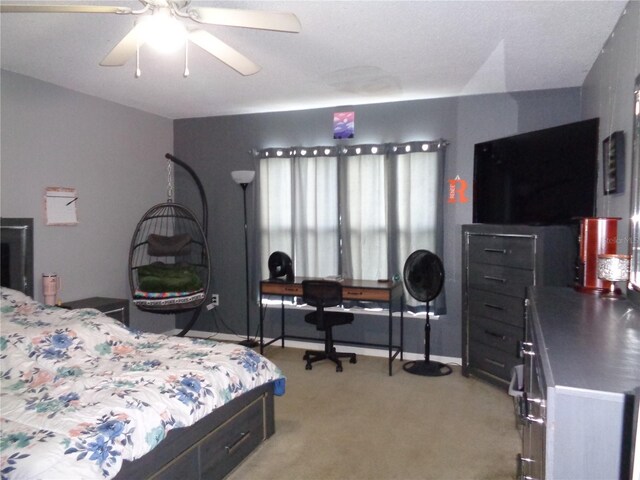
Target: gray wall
[[112, 155], [215, 146], [608, 93]]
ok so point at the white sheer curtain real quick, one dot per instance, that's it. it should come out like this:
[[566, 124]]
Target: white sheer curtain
[[316, 242], [276, 207], [417, 184], [299, 208], [365, 216]]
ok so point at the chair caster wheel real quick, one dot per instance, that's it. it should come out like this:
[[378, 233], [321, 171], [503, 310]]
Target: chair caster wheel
[[307, 366], [353, 360], [339, 368]]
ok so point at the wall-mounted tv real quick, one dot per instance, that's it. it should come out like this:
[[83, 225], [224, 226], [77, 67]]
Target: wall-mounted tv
[[545, 177]]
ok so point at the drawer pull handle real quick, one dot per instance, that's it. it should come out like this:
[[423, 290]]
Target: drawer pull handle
[[244, 436], [494, 279], [290, 289], [524, 347], [501, 251], [354, 293], [522, 463], [495, 307], [532, 419], [493, 362], [496, 335]]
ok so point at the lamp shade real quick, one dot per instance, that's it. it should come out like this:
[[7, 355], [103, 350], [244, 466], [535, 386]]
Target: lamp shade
[[614, 268], [243, 176]]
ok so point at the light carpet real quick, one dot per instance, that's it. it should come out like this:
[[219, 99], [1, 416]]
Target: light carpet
[[362, 424]]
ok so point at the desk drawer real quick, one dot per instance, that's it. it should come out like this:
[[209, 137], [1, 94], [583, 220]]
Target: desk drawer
[[286, 289], [498, 279], [368, 294], [502, 250], [496, 306]]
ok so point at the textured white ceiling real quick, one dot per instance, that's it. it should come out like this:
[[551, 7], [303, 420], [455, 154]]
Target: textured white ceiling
[[348, 53]]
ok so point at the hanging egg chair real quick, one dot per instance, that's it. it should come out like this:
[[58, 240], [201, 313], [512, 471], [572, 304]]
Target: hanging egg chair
[[169, 263]]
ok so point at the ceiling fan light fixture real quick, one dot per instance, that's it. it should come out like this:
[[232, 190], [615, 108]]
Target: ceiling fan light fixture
[[163, 24], [163, 32]]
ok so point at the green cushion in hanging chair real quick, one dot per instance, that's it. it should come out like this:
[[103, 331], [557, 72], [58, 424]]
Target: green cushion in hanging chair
[[162, 277]]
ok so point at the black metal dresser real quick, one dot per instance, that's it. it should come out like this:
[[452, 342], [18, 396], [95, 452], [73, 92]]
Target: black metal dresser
[[499, 263]]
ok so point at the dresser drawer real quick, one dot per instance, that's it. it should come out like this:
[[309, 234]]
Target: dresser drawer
[[498, 279], [504, 308], [493, 361], [512, 251], [495, 334]]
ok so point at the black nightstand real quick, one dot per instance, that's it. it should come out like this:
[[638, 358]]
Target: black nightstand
[[117, 308]]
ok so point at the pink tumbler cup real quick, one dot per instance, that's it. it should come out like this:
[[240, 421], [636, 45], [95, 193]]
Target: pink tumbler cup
[[50, 288]]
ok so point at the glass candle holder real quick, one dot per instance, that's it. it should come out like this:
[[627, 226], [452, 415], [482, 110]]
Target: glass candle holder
[[613, 268]]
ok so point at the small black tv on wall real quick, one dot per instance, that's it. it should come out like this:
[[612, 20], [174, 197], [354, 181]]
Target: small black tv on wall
[[545, 177]]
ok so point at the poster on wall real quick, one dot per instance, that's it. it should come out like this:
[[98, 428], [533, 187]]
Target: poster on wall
[[344, 125]]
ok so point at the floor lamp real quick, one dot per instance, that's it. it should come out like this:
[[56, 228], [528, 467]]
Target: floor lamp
[[244, 178]]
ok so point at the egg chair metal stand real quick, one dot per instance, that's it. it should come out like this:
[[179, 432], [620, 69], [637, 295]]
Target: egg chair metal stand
[[169, 261]]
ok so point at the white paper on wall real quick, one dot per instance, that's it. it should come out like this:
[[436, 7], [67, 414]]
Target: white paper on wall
[[60, 204]]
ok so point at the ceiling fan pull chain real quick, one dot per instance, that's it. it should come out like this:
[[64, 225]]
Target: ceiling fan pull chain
[[186, 58]]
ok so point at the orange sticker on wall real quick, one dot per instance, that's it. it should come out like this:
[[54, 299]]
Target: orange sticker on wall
[[457, 187]]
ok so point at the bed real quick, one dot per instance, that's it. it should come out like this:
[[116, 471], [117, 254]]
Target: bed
[[83, 396]]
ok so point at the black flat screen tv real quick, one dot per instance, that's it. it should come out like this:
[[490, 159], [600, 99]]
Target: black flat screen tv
[[545, 177]]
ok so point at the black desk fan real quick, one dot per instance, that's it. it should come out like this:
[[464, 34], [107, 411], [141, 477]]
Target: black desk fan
[[424, 278], [280, 265]]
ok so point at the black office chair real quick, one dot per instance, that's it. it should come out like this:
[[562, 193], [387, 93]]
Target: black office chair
[[322, 294]]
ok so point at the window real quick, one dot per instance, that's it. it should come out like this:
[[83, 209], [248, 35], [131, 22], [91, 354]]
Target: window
[[356, 211]]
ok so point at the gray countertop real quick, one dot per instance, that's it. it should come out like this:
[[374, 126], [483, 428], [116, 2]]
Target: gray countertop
[[592, 343]]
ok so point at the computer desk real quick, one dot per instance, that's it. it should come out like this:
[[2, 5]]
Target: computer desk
[[390, 292]]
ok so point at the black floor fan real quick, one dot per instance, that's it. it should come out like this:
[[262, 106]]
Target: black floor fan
[[424, 278]]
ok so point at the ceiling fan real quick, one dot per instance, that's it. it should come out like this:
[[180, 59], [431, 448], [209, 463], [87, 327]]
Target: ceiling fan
[[162, 20]]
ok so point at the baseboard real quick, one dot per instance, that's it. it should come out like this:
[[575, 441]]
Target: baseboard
[[370, 352]]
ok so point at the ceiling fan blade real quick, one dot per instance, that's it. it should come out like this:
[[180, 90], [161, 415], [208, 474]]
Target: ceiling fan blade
[[125, 49], [223, 52], [278, 21], [5, 8]]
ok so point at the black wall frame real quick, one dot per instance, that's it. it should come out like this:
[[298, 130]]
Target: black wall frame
[[613, 163]]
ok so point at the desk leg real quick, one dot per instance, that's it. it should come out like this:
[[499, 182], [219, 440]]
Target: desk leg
[[402, 327], [282, 323], [391, 337], [260, 307]]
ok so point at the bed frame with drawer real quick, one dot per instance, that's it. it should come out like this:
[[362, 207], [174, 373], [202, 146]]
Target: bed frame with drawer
[[212, 447], [209, 449]]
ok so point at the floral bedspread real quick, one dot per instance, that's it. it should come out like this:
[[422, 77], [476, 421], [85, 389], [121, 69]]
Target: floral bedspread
[[80, 392]]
